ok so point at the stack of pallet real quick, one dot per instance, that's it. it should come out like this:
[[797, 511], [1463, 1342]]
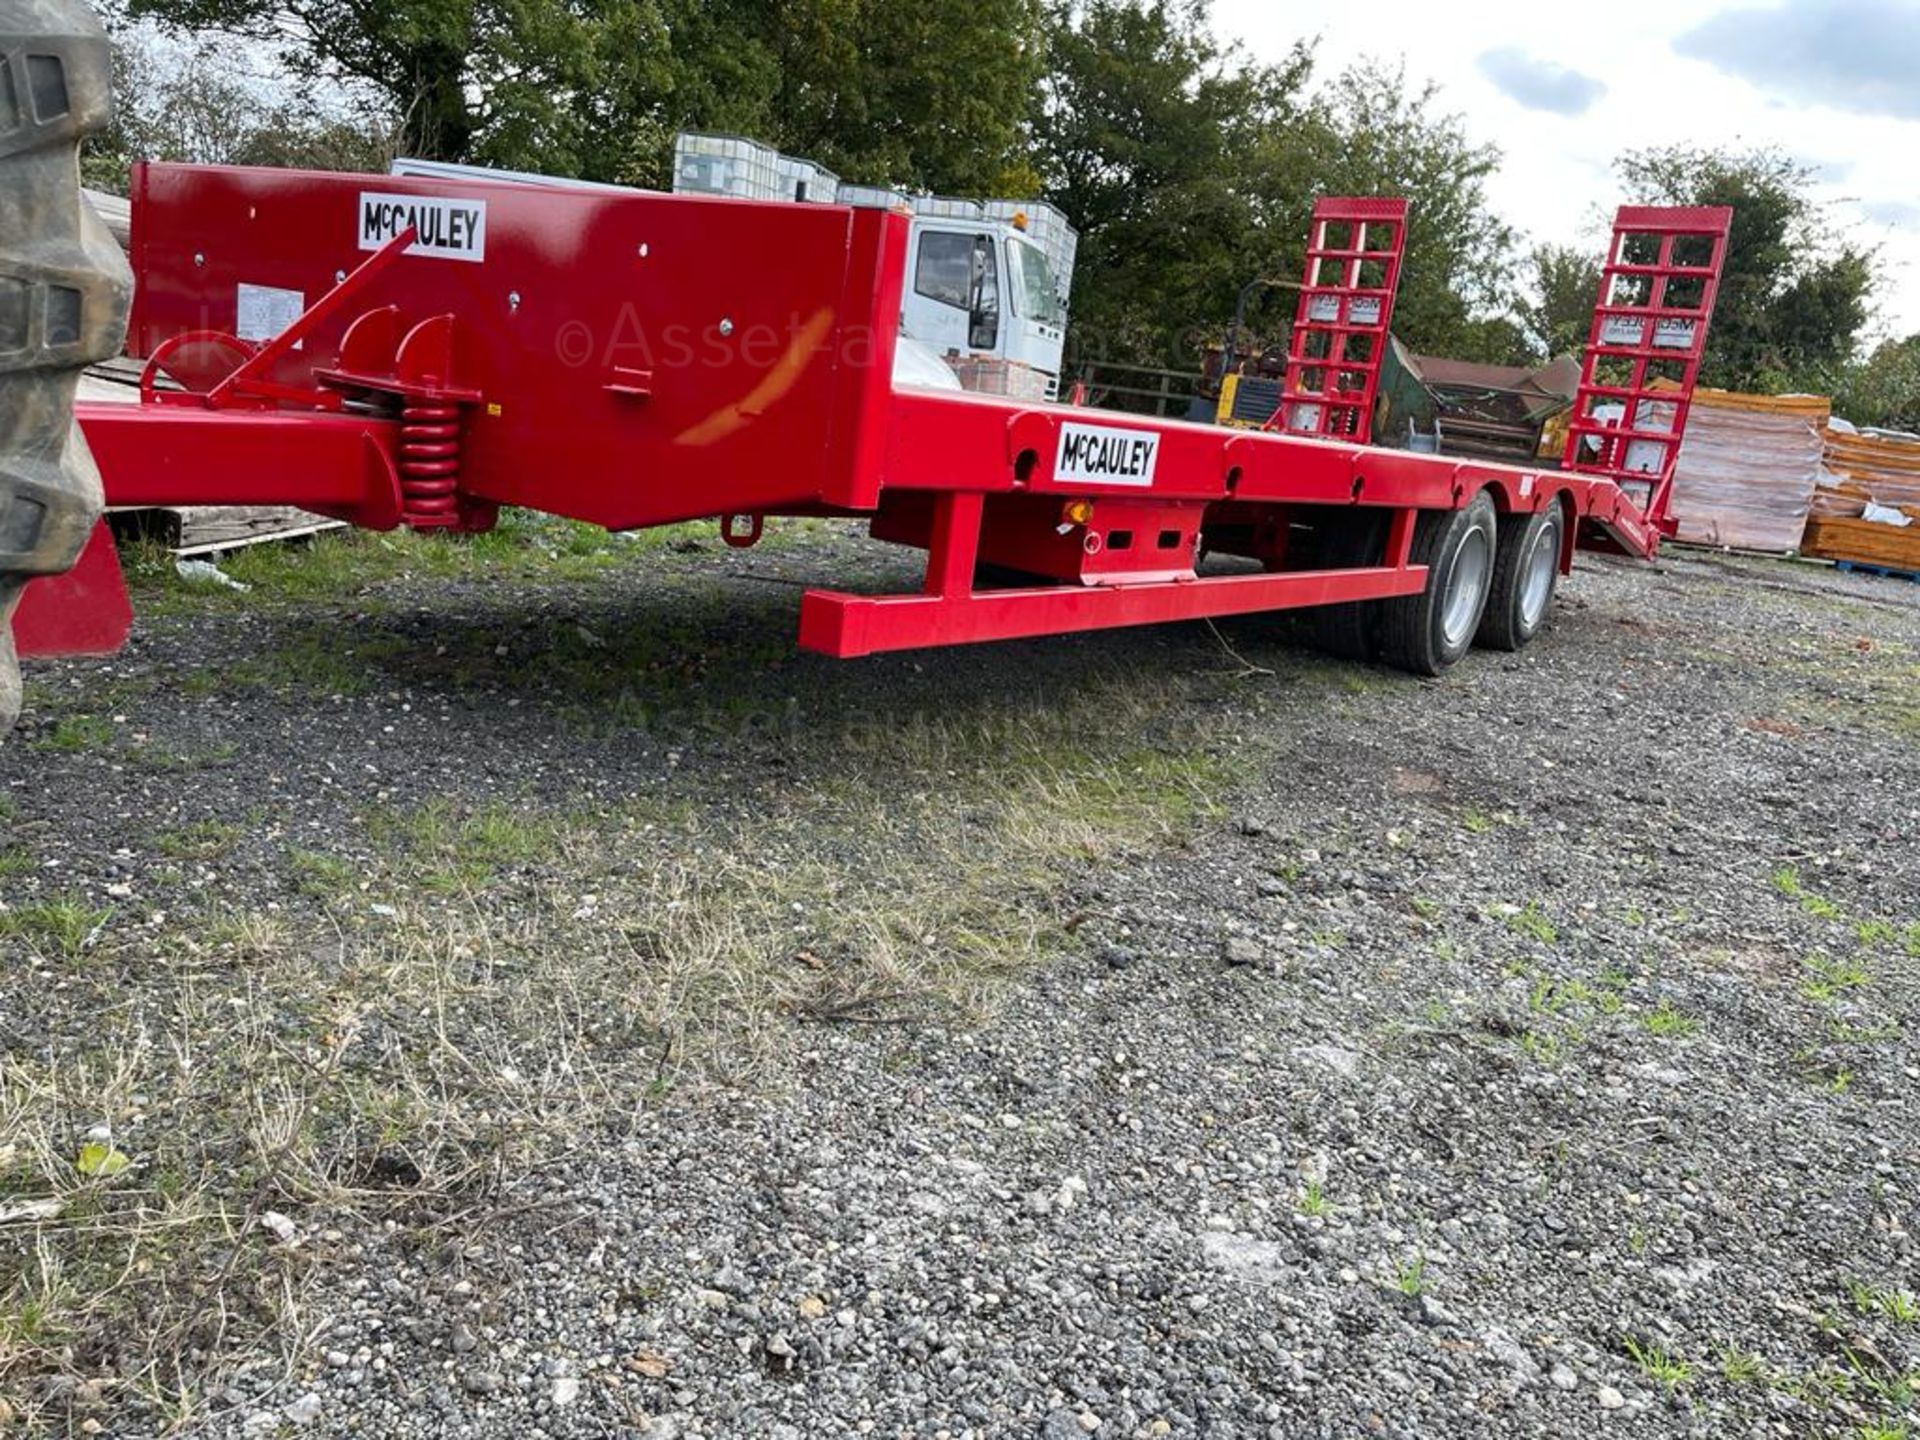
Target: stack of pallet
[[1747, 469], [986, 376], [1872, 483]]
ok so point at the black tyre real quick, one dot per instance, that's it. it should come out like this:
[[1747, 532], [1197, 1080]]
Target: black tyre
[[64, 287], [1525, 571], [1426, 633], [1349, 539]]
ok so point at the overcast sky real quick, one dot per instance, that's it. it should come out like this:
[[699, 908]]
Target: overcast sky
[[1563, 88]]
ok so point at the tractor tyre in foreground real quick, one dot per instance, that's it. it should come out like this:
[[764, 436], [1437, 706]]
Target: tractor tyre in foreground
[[64, 290], [1525, 572], [1426, 633]]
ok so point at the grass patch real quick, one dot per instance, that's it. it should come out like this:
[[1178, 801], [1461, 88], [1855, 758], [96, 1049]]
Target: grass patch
[[534, 973], [343, 564], [444, 849], [202, 840], [76, 734], [1411, 1281], [1533, 922], [1668, 1023], [1742, 1367], [1828, 979], [320, 876], [1895, 1305], [1667, 1370], [59, 928]]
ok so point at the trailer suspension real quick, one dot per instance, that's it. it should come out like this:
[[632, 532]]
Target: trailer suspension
[[429, 464]]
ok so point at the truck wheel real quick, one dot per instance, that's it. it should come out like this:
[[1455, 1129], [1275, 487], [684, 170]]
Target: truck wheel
[[64, 287], [1524, 574], [1426, 633], [1350, 539]]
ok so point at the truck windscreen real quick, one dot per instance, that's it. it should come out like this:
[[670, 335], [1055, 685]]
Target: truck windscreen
[[1036, 296]]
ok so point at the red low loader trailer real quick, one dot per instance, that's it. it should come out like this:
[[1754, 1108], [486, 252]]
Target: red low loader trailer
[[421, 352]]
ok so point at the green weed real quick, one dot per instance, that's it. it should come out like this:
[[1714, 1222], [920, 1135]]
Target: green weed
[[1532, 921], [1667, 1370], [1668, 1023]]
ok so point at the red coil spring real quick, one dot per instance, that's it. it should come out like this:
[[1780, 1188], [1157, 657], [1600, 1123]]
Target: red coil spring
[[429, 463]]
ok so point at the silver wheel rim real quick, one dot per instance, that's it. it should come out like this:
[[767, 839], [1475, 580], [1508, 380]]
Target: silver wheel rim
[[1467, 586], [1537, 588]]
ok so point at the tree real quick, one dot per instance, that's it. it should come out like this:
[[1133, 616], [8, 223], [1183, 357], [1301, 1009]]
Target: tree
[[199, 106], [1793, 298], [500, 80], [1884, 389], [1558, 313], [1143, 131], [930, 95], [1191, 170], [1369, 133], [925, 96]]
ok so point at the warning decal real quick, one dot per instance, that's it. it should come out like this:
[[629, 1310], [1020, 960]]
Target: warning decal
[[448, 229]]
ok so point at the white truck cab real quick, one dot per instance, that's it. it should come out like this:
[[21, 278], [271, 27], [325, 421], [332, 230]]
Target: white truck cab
[[984, 291]]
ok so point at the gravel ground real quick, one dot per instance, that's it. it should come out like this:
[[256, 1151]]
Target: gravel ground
[[1318, 1052]]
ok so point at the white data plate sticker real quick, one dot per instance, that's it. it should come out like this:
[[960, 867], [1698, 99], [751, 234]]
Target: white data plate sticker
[[1673, 333], [262, 311], [1104, 455], [447, 229], [1623, 330]]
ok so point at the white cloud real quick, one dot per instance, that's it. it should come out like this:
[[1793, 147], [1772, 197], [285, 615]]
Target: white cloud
[[1540, 84], [1857, 55], [1556, 180]]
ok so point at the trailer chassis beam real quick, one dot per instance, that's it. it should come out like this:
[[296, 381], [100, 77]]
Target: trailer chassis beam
[[950, 611]]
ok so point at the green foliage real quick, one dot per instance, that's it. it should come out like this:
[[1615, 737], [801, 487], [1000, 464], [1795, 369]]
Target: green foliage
[[1370, 132], [1888, 1303], [1657, 1365], [1559, 311], [1146, 132], [1668, 1023], [1412, 1279], [1885, 388], [1191, 170], [62, 926], [1534, 923], [76, 733], [198, 104], [1793, 299], [1829, 979], [1742, 1367], [923, 95]]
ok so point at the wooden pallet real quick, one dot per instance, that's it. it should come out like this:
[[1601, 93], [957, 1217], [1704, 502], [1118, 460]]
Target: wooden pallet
[[1863, 543]]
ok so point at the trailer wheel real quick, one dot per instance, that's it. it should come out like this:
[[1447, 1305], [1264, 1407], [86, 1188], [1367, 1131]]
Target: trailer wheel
[[1524, 575], [1349, 540], [1426, 633]]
